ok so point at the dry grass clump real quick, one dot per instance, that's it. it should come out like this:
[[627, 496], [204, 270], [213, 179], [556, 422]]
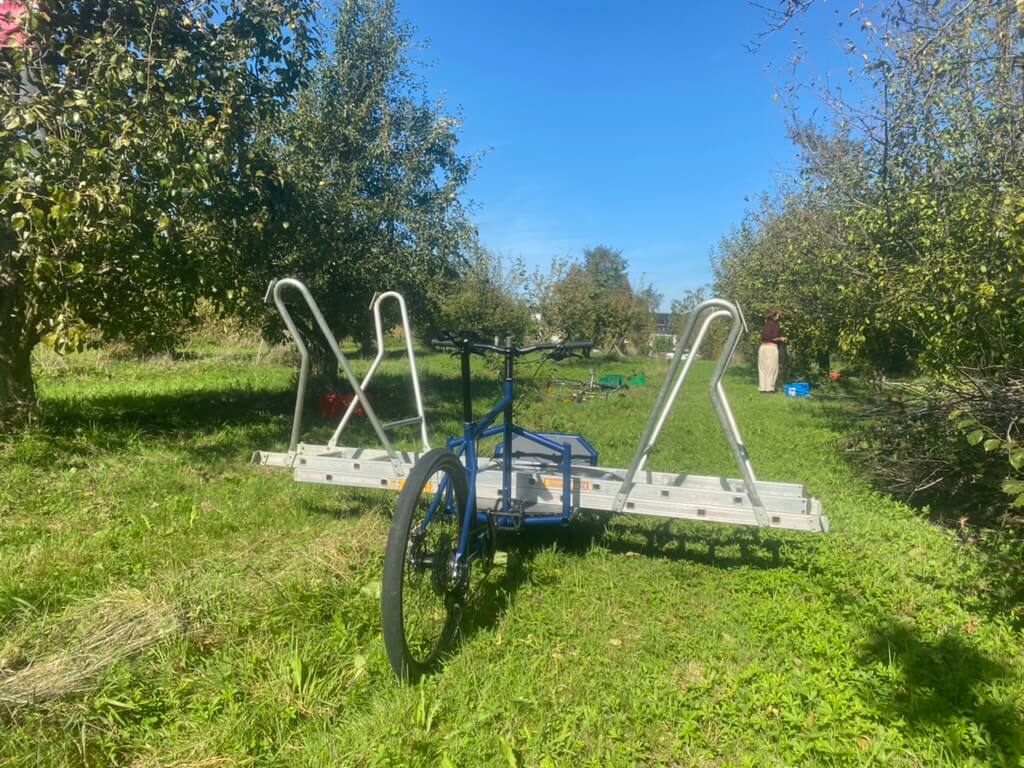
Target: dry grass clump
[[277, 354], [188, 760], [347, 554], [76, 648]]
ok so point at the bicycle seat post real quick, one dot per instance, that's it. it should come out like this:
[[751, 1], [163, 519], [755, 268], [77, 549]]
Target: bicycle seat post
[[467, 394], [506, 435]]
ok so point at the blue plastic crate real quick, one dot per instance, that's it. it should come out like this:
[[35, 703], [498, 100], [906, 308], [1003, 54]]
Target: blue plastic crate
[[798, 389]]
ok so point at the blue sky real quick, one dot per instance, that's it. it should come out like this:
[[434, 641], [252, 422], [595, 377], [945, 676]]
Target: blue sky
[[645, 126]]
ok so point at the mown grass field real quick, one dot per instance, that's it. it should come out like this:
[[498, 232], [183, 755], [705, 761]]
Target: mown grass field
[[164, 602]]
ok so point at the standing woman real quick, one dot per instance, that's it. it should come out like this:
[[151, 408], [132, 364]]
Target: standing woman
[[768, 354]]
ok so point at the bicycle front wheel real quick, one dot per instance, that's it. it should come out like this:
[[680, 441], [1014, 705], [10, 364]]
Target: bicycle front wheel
[[422, 592]]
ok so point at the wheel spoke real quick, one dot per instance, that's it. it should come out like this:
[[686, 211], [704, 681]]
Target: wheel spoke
[[427, 581], [421, 598]]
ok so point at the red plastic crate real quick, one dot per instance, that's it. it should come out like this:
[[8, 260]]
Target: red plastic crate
[[334, 404]]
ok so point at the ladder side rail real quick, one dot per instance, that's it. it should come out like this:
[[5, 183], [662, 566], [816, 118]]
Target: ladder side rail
[[350, 410], [645, 437], [300, 395], [371, 415], [677, 388], [669, 391], [410, 353], [725, 417], [378, 323]]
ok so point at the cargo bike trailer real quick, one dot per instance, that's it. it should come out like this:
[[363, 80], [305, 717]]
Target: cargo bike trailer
[[453, 501]]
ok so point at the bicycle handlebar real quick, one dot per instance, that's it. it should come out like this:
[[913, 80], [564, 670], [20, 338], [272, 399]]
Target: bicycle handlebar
[[468, 340]]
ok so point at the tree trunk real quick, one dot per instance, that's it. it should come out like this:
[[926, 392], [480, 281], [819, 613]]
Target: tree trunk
[[367, 346], [323, 364], [18, 337], [17, 387], [824, 360]]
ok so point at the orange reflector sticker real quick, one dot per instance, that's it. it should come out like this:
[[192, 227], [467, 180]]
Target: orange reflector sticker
[[398, 483], [555, 483]]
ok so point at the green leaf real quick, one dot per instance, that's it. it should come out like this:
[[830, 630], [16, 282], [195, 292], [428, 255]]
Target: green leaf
[[1017, 458], [1014, 488], [508, 752], [992, 444], [118, 703], [976, 436]]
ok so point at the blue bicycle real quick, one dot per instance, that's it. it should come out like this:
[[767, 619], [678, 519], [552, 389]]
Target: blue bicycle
[[439, 531]]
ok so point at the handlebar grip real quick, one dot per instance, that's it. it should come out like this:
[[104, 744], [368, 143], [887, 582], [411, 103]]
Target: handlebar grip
[[566, 349]]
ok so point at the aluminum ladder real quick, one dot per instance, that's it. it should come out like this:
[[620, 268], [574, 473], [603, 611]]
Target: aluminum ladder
[[399, 461]]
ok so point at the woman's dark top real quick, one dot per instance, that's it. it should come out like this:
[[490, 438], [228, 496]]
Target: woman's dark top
[[770, 332]]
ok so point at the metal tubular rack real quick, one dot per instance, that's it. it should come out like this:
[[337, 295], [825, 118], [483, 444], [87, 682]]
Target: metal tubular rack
[[538, 484]]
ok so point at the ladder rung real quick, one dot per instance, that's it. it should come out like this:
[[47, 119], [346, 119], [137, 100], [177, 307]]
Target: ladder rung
[[401, 422]]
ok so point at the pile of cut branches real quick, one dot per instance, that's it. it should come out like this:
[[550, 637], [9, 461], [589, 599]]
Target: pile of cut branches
[[954, 445]]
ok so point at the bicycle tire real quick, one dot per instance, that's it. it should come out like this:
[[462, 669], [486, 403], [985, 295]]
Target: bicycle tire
[[417, 567]]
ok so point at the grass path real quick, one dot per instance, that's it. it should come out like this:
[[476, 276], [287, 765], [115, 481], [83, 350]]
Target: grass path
[[163, 602]]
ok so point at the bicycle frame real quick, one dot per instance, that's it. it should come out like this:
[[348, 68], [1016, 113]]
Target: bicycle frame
[[466, 448]]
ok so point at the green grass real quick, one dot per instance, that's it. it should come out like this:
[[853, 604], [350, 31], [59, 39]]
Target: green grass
[[167, 603]]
